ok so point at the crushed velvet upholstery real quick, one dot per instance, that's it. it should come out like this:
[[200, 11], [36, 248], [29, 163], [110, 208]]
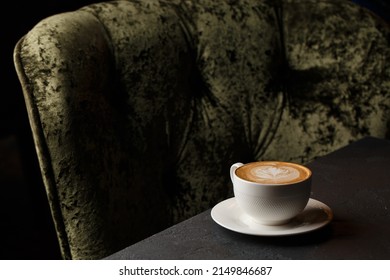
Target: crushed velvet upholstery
[[138, 108]]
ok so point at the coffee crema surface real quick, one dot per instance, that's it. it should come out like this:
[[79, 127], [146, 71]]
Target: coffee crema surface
[[273, 172]]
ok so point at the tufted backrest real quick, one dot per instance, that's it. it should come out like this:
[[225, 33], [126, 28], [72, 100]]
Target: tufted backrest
[[138, 108]]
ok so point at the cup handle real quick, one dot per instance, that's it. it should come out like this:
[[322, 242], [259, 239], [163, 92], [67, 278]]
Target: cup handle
[[233, 168]]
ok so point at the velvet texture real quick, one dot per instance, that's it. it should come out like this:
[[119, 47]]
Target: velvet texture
[[138, 108]]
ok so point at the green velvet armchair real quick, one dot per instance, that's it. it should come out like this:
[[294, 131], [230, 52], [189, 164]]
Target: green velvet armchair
[[138, 108]]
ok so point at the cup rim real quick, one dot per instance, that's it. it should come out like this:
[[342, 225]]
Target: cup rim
[[309, 173]]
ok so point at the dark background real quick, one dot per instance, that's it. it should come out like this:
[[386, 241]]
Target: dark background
[[26, 228]]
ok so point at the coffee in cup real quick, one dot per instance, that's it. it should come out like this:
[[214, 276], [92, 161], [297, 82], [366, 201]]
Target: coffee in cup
[[271, 192], [273, 172]]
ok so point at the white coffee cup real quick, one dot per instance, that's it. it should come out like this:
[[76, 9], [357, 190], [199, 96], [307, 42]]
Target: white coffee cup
[[271, 192]]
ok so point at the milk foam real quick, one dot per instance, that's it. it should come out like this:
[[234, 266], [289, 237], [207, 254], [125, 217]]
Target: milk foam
[[272, 172], [275, 174]]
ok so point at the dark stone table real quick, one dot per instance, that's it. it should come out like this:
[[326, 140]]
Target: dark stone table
[[353, 181]]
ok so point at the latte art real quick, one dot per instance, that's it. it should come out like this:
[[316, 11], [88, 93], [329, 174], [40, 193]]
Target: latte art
[[277, 174], [272, 172]]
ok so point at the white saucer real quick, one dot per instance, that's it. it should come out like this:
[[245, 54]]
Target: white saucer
[[228, 215]]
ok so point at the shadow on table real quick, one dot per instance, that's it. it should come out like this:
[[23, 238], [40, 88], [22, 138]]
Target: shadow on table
[[303, 239]]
